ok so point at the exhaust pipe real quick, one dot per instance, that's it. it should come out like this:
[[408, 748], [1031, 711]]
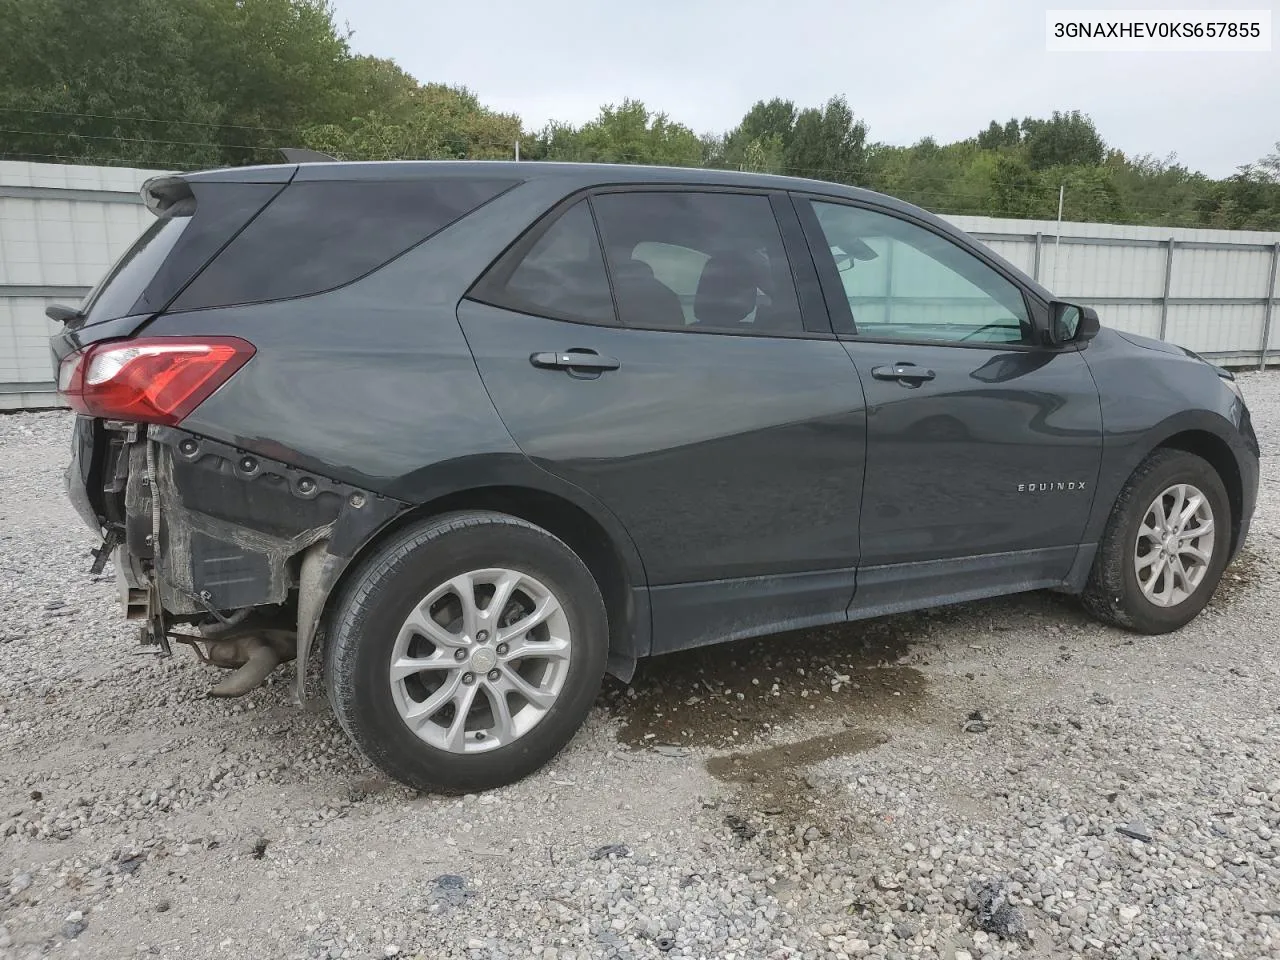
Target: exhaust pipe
[[260, 660], [254, 656]]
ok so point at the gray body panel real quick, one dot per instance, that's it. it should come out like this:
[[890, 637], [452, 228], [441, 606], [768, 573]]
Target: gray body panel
[[746, 484]]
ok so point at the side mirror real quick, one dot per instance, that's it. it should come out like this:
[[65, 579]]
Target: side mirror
[[1089, 324], [1071, 323]]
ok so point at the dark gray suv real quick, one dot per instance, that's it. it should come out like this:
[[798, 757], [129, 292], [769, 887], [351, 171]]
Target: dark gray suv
[[482, 431]]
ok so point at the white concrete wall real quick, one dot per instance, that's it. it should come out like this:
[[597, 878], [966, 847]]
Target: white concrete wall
[[63, 226], [61, 229], [1218, 283]]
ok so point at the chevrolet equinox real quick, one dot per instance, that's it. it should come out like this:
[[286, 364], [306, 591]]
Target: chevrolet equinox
[[479, 432]]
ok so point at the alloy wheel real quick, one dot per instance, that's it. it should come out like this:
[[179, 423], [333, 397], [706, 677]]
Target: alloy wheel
[[1174, 545], [480, 660]]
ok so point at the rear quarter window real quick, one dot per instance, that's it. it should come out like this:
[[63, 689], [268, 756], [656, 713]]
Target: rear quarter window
[[319, 235], [127, 281], [222, 209], [561, 275]]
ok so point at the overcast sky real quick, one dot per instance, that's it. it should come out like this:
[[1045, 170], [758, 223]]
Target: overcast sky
[[909, 68]]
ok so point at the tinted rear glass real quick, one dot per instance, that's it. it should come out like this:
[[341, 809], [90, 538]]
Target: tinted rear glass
[[117, 292], [221, 210], [320, 235], [698, 261], [562, 276]]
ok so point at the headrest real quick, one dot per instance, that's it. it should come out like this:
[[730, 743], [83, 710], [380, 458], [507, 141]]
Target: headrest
[[727, 291]]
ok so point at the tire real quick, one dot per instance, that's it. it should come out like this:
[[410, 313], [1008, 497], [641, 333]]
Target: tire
[[460, 553], [1114, 592]]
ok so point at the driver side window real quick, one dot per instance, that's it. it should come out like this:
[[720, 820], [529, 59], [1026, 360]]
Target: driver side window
[[904, 282]]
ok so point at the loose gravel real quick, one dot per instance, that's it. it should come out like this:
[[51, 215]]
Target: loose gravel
[[999, 779]]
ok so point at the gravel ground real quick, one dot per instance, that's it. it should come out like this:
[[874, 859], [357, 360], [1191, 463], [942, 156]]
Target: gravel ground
[[1001, 779]]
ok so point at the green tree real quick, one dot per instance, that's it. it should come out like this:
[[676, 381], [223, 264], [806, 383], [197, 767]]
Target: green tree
[[87, 81], [1016, 191], [1250, 200], [712, 150], [828, 143], [434, 122], [373, 85], [1269, 166], [998, 136], [774, 118], [765, 155], [759, 142], [280, 64], [189, 83], [1066, 139], [927, 174], [1159, 191], [627, 133], [1089, 193]]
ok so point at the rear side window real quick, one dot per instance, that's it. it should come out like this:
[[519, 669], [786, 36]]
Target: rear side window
[[562, 276], [698, 261], [320, 235]]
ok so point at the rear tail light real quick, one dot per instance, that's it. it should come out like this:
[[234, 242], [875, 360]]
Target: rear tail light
[[150, 380]]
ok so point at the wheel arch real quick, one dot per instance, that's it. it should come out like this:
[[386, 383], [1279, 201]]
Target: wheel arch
[[1217, 452], [1204, 433], [590, 531]]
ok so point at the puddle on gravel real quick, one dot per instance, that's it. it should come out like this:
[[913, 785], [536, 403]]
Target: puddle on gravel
[[847, 687], [729, 695], [775, 778], [745, 697]]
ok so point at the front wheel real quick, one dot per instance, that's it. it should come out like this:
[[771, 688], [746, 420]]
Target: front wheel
[[467, 652], [1165, 545]]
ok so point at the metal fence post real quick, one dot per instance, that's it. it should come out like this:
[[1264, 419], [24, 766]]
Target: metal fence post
[[1270, 307], [1168, 282], [1035, 268]]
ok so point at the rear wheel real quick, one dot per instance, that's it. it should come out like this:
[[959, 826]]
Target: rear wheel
[[466, 653], [1165, 545]]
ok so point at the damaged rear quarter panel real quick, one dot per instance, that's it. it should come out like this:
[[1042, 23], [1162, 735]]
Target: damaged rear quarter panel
[[234, 525]]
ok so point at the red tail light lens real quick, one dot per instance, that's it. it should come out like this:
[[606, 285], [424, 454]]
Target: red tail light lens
[[150, 380]]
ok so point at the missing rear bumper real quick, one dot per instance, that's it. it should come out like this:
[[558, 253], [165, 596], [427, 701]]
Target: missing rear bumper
[[211, 532]]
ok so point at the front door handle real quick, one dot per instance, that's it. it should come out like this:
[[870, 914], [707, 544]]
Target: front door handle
[[904, 373], [581, 361]]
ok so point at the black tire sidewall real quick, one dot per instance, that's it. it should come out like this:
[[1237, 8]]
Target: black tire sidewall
[[367, 623], [1178, 468]]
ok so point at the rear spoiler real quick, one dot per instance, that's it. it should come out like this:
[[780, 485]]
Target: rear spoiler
[[170, 195]]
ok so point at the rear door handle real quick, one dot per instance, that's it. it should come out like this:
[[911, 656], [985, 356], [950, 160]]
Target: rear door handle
[[903, 372], [586, 360]]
